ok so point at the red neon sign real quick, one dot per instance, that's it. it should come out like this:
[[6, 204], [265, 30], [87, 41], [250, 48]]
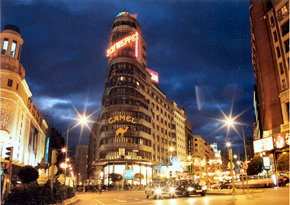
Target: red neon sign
[[123, 43], [154, 75]]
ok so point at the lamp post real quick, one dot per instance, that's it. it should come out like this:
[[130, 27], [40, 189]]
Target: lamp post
[[83, 121], [228, 144], [230, 122]]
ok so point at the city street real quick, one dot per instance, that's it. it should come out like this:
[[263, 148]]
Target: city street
[[278, 196]]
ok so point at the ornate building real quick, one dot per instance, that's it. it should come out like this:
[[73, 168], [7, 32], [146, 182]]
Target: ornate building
[[21, 126], [137, 125]]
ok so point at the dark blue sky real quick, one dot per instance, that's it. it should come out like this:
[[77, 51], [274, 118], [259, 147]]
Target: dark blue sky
[[195, 46]]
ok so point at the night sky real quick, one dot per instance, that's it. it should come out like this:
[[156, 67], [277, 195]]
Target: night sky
[[201, 50]]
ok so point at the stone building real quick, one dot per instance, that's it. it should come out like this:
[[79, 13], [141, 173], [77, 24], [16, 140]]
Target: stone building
[[138, 127], [21, 126]]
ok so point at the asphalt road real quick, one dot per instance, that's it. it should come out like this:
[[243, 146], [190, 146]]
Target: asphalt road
[[272, 196]]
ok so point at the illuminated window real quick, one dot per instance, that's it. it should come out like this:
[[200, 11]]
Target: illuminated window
[[13, 48], [10, 82], [4, 46]]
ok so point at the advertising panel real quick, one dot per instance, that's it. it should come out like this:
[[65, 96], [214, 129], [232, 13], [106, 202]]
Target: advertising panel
[[262, 145], [279, 141], [33, 144], [267, 163], [154, 75]]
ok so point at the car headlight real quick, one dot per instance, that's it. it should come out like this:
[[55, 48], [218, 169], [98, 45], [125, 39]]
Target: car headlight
[[171, 190], [190, 189], [158, 191], [204, 188]]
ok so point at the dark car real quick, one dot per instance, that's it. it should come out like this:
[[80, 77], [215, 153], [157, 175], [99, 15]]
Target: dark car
[[187, 188]]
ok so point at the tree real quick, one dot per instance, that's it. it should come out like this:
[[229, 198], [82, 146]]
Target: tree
[[28, 174], [138, 176], [255, 166], [283, 162], [115, 177]]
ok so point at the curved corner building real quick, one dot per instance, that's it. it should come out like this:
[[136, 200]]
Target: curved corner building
[[136, 125]]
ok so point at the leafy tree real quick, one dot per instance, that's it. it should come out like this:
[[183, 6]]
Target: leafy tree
[[255, 166], [138, 176], [115, 177], [283, 162], [28, 174]]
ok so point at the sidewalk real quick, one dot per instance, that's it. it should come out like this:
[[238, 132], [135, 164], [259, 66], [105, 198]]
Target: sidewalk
[[230, 191]]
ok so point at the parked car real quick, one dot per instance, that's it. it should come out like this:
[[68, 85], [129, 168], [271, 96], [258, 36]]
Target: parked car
[[160, 190], [186, 188]]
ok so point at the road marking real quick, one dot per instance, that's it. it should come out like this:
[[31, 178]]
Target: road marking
[[120, 200], [98, 201]]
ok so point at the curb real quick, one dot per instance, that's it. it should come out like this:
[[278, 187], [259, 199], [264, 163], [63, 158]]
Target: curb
[[71, 200], [241, 193]]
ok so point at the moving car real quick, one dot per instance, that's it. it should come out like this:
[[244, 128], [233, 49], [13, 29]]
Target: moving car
[[160, 190], [187, 188]]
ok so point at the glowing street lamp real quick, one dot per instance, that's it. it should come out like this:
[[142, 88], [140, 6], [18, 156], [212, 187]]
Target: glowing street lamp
[[64, 150], [228, 144], [171, 149], [235, 156]]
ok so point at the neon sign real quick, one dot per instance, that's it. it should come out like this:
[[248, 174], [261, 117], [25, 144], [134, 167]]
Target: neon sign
[[122, 43], [122, 117], [154, 75]]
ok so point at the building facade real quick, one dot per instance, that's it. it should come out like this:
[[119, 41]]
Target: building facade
[[201, 149], [137, 125], [270, 58], [81, 163], [22, 125]]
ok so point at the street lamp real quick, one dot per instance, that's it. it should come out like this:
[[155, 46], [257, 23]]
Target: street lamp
[[83, 120], [228, 144], [235, 156], [230, 122]]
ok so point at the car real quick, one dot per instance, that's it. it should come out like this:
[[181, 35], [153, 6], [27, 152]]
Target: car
[[160, 190], [187, 188]]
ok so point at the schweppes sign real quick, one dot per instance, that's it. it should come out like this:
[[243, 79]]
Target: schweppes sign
[[122, 118]]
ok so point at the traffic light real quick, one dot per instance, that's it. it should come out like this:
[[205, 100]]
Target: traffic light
[[9, 153]]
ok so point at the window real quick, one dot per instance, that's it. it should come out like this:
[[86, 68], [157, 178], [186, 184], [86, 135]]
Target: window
[[278, 52], [13, 48], [4, 46], [281, 68], [285, 28], [10, 82], [286, 44], [272, 21], [275, 36], [17, 86]]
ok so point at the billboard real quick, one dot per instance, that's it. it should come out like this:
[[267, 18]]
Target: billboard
[[154, 75], [33, 144], [265, 144]]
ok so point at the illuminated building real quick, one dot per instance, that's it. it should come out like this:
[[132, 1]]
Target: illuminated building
[[137, 124], [81, 161], [21, 126], [201, 148], [270, 58], [188, 135], [216, 150]]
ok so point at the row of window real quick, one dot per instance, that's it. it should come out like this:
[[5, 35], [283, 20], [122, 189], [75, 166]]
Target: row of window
[[130, 140], [10, 84], [119, 23], [128, 101], [126, 90], [13, 48], [134, 114]]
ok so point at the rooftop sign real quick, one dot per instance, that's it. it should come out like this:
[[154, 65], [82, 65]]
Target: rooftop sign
[[122, 43], [154, 75], [127, 14]]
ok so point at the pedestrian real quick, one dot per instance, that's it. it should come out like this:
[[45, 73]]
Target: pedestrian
[[100, 188]]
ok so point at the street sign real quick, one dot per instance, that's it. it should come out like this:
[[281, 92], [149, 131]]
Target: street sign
[[245, 165], [229, 165]]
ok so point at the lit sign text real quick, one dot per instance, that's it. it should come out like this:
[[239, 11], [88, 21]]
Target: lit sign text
[[122, 43], [122, 117]]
